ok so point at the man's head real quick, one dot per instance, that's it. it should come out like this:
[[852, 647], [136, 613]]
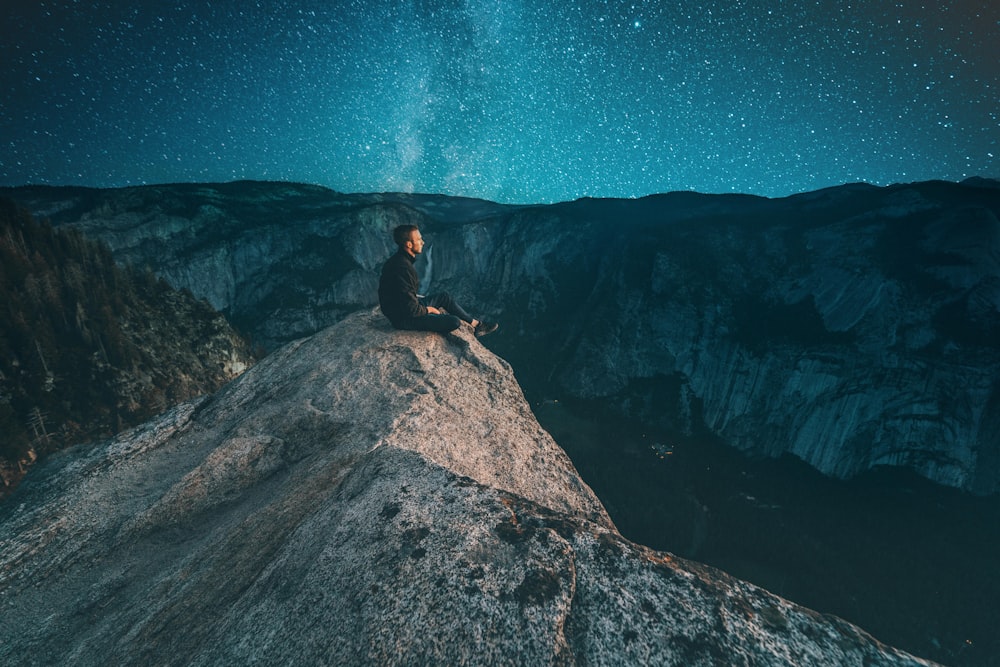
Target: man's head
[[408, 238]]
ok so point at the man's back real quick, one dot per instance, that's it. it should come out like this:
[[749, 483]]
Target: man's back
[[397, 289]]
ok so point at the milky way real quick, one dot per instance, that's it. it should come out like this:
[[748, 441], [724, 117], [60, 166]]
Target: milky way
[[507, 100]]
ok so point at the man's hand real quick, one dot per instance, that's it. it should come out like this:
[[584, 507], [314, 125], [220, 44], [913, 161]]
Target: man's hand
[[434, 311]]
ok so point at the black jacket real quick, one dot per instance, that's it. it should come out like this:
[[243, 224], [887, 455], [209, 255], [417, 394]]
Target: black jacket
[[397, 289]]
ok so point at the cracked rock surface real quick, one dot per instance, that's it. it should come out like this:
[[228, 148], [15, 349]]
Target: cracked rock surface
[[365, 497]]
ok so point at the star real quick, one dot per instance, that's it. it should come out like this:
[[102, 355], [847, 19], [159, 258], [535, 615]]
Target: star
[[516, 102]]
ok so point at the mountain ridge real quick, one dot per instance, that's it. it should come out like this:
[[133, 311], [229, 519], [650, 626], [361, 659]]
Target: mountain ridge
[[637, 328], [819, 295]]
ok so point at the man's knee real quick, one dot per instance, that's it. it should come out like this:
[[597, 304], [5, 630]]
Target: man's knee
[[439, 300]]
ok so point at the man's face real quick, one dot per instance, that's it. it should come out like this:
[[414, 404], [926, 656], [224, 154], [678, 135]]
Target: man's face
[[416, 243]]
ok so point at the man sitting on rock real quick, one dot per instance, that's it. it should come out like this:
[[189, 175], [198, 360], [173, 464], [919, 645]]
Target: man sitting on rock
[[398, 298]]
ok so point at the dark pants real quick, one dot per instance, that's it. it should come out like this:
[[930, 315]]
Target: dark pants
[[439, 323]]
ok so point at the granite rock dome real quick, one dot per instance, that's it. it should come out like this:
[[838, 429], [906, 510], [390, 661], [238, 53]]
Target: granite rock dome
[[369, 497]]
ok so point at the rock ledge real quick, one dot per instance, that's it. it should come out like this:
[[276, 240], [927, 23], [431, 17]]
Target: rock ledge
[[365, 497]]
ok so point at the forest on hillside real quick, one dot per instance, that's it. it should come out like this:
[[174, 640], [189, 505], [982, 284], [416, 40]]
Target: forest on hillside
[[88, 348]]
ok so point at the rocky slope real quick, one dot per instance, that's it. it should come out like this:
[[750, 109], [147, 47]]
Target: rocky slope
[[854, 327], [361, 497]]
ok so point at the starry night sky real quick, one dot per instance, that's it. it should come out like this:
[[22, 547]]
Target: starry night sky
[[508, 100]]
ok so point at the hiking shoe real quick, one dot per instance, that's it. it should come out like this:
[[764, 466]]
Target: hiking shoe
[[484, 328]]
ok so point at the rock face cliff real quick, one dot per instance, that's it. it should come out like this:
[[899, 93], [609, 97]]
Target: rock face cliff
[[365, 496], [854, 327]]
